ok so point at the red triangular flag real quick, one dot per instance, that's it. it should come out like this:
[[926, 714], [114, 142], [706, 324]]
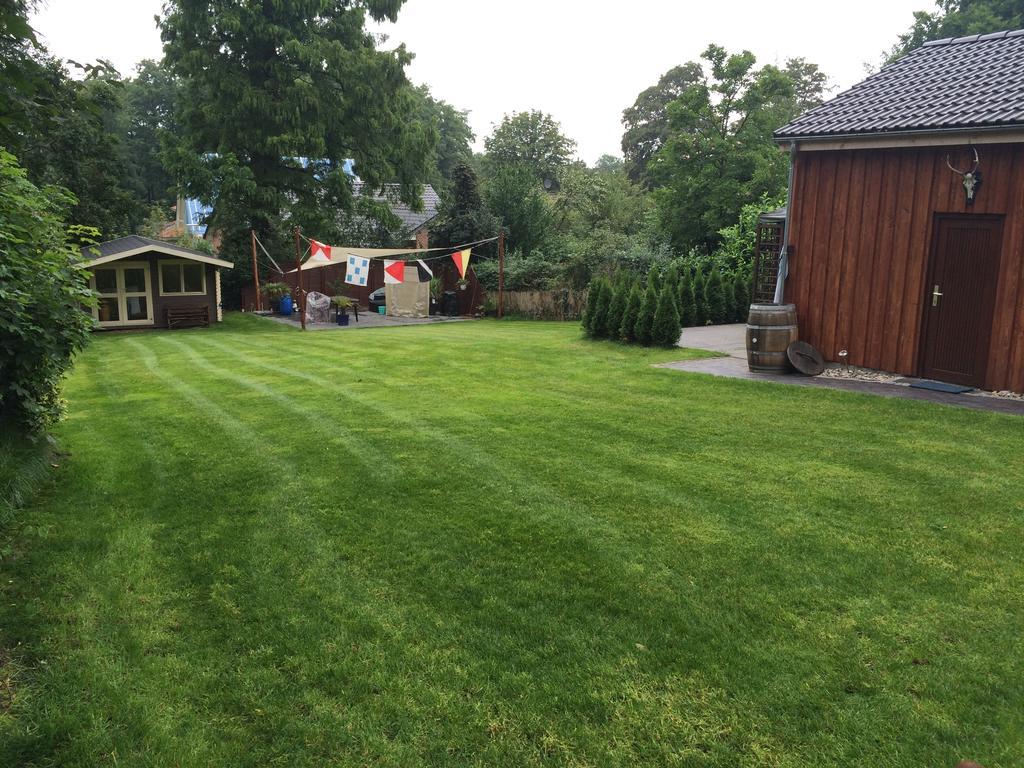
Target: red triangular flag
[[317, 248], [394, 271]]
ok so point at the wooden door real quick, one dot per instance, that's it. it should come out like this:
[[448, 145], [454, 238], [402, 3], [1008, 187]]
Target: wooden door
[[960, 298]]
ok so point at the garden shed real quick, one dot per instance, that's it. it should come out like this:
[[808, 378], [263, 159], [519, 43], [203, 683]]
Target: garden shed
[[144, 283], [905, 223]]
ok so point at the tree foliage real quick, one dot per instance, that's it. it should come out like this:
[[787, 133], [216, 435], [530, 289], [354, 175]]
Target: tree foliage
[[531, 140], [646, 121], [149, 100], [665, 327], [717, 304], [516, 198], [85, 152], [719, 152], [630, 316], [617, 307], [42, 294], [956, 18], [684, 301], [463, 217], [275, 97], [455, 137], [645, 317]]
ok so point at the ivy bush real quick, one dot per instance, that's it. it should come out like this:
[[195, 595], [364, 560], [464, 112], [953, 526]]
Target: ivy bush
[[43, 295]]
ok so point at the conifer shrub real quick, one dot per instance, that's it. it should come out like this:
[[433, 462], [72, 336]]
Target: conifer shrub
[[684, 301], [645, 320], [700, 304], [665, 329], [714, 297], [598, 326], [741, 297], [630, 315], [654, 277], [587, 320], [616, 308]]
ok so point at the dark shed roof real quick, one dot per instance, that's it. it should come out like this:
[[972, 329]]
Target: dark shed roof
[[132, 245], [946, 85]]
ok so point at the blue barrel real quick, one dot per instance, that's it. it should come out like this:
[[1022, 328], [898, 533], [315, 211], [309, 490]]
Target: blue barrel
[[286, 305]]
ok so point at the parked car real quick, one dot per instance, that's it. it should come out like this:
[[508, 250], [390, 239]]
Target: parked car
[[376, 299]]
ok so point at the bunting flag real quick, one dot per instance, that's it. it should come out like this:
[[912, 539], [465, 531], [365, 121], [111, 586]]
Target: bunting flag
[[424, 271], [461, 259], [394, 272], [319, 249], [358, 270]]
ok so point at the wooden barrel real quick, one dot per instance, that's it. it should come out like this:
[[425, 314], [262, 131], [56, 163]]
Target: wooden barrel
[[771, 328]]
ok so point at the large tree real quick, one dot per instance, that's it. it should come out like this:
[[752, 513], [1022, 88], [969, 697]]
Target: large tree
[[646, 122], [149, 105], [276, 96], [463, 217], [719, 153], [455, 137], [955, 18], [83, 148], [531, 140], [516, 198]]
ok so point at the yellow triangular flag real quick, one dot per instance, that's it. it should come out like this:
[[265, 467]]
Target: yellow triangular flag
[[461, 259]]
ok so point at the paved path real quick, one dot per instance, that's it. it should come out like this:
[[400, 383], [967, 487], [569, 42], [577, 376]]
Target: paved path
[[731, 340]]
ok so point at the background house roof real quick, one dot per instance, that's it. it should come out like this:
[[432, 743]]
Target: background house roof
[[135, 245], [411, 220], [953, 84]]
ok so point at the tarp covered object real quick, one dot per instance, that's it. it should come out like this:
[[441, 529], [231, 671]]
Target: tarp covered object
[[318, 307], [410, 298]]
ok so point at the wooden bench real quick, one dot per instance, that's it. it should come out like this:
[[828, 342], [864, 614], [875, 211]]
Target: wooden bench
[[188, 317]]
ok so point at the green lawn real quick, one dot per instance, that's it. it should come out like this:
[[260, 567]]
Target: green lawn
[[499, 544]]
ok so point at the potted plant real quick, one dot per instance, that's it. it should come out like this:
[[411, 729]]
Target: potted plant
[[463, 284], [436, 286], [341, 304], [276, 292]]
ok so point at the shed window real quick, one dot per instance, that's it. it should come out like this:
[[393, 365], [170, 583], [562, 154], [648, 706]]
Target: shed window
[[182, 278]]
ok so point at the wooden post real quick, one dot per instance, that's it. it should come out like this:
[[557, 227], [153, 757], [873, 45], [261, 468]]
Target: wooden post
[[256, 273], [501, 273], [298, 281]]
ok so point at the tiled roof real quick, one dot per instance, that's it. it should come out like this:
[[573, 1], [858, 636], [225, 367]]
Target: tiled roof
[[411, 220], [963, 83]]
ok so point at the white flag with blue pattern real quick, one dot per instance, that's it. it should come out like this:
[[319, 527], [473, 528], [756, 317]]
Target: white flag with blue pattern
[[358, 270]]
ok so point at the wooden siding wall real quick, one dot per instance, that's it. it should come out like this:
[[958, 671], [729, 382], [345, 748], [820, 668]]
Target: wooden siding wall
[[861, 227]]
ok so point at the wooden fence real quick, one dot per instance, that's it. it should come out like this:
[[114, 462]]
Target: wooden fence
[[545, 305]]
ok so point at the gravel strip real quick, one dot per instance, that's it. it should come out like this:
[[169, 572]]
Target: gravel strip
[[859, 374], [854, 373]]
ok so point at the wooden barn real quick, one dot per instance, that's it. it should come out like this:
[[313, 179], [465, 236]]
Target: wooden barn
[[905, 222]]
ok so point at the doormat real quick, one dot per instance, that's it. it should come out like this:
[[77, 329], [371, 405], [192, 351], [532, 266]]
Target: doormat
[[940, 386]]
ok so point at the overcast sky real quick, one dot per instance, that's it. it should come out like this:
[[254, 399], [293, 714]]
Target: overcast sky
[[583, 61]]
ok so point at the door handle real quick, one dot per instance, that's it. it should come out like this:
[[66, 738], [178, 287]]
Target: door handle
[[935, 296]]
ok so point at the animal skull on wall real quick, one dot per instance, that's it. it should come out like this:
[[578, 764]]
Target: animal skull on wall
[[971, 178]]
